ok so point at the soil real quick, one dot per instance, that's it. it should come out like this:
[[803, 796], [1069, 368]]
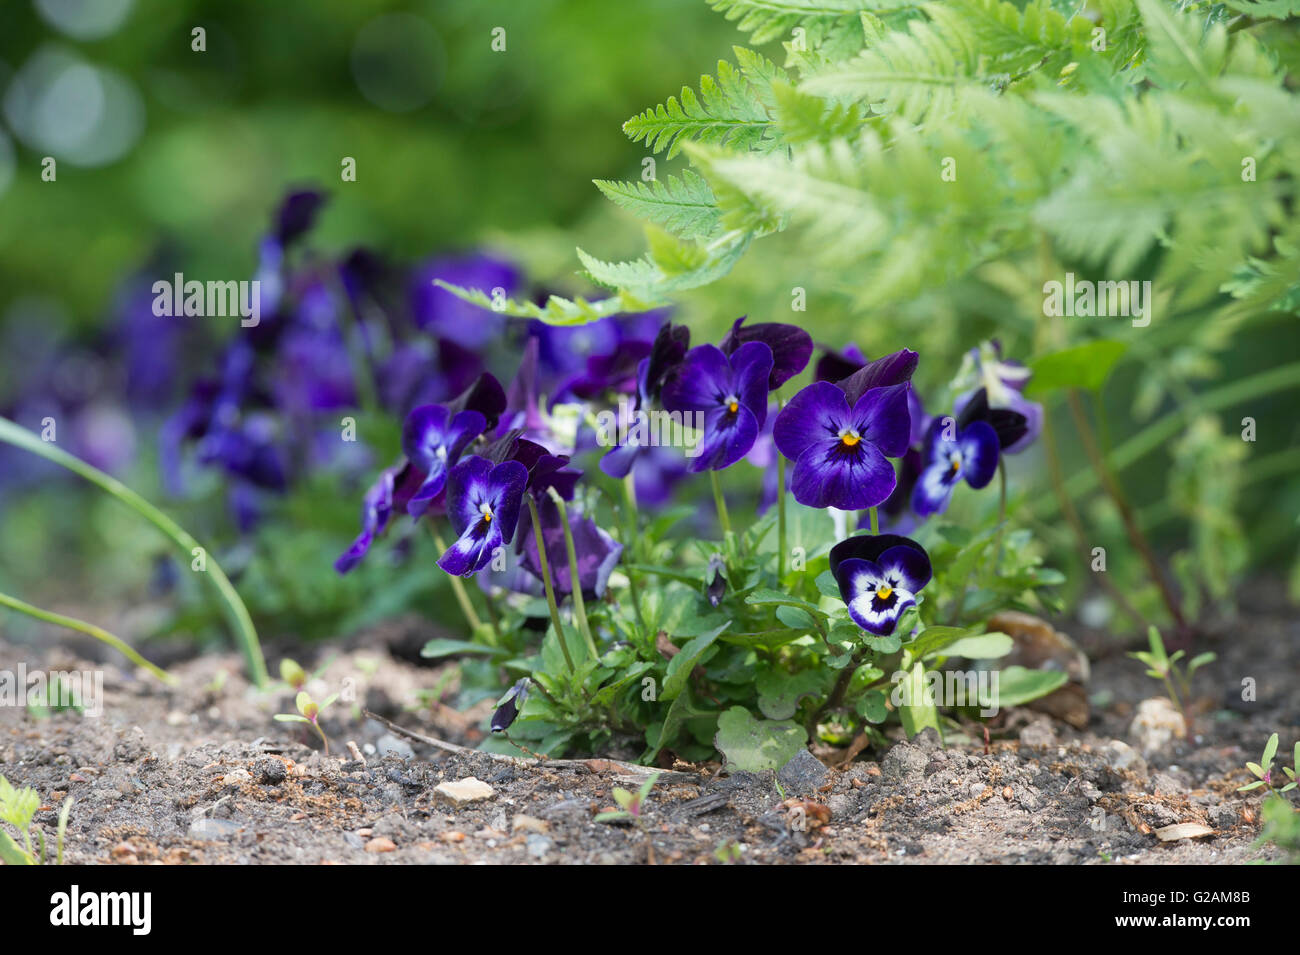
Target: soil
[[200, 773]]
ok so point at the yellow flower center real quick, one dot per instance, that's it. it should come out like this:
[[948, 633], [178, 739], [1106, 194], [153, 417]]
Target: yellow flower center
[[955, 460], [884, 591], [733, 406], [850, 438], [486, 510]]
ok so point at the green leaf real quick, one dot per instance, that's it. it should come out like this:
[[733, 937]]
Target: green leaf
[[871, 707], [11, 854], [18, 806], [557, 310], [984, 646], [827, 586], [768, 19], [440, 647], [921, 712], [290, 718], [681, 665], [685, 207], [1083, 366], [1017, 685], [756, 745], [931, 640], [1270, 750], [726, 111], [779, 692]]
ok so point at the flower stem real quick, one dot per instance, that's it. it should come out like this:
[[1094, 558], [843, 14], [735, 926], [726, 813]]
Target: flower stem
[[117, 643], [1002, 511], [235, 611], [458, 588], [575, 582], [780, 516], [875, 521], [720, 503], [546, 581], [631, 546]]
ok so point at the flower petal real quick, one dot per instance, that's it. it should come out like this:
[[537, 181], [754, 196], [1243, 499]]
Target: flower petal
[[889, 370], [751, 366], [701, 382], [816, 413], [882, 418], [979, 453], [829, 474], [791, 347], [728, 436], [467, 482], [905, 567]]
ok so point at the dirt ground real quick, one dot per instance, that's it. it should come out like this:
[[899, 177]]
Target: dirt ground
[[200, 773]]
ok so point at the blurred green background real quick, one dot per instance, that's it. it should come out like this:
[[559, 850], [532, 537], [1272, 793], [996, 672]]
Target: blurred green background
[[167, 152]]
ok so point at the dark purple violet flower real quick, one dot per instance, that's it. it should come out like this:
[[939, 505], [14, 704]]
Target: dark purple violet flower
[[508, 706], [596, 551], [388, 494], [879, 577], [486, 396], [837, 365], [896, 514], [715, 586], [840, 450], [727, 394], [1010, 426], [892, 369], [545, 470], [297, 215], [954, 453], [791, 347], [667, 351], [433, 439], [483, 504], [1002, 382]]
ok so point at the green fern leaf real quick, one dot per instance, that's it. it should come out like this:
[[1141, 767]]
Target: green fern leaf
[[915, 72], [768, 19], [685, 207], [1265, 9], [1180, 48], [557, 310], [726, 112]]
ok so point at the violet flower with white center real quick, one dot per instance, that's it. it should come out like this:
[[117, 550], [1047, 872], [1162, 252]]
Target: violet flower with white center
[[483, 505], [879, 577]]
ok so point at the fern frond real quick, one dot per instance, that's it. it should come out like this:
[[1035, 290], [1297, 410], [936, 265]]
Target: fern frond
[[685, 207], [768, 19], [1265, 9], [671, 266], [1180, 48], [557, 310], [726, 111], [915, 72]]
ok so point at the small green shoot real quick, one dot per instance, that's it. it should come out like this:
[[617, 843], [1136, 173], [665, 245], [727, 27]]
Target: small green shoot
[[631, 805], [1164, 667], [309, 711], [18, 807], [1263, 770]]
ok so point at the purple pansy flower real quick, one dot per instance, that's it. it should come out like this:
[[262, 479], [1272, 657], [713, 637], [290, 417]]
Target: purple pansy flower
[[954, 451], [483, 504], [1002, 381], [388, 494], [596, 551], [731, 395], [840, 450], [791, 347], [437, 310], [508, 706], [879, 577], [433, 439]]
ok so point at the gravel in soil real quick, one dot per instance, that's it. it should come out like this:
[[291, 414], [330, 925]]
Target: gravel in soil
[[200, 773]]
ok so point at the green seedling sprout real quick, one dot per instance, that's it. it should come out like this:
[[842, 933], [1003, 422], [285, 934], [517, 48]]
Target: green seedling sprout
[[18, 807], [309, 711], [294, 676], [1164, 667], [1263, 770], [631, 805]]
